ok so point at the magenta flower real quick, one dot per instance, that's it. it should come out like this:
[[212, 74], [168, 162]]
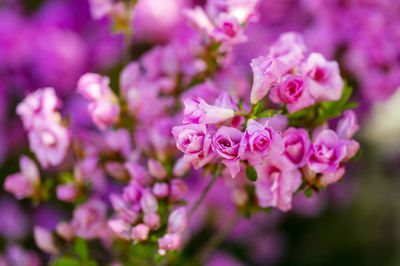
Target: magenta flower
[[297, 146], [44, 240], [327, 151], [277, 180], [294, 91], [226, 143], [100, 8], [266, 73], [152, 220], [67, 192], [228, 30], [89, 219], [258, 142], [195, 142], [329, 178], [348, 125], [121, 228], [140, 232], [156, 169], [23, 184], [160, 190], [49, 141], [324, 78], [41, 104], [104, 112], [197, 111], [177, 220], [148, 202], [178, 189], [168, 242]]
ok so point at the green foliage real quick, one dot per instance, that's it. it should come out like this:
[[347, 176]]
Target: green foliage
[[66, 261], [80, 258], [81, 249], [308, 192], [251, 173]]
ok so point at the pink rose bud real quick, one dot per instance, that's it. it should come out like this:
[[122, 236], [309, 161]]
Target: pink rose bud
[[65, 230], [120, 227], [266, 73], [156, 169], [23, 184], [148, 202], [161, 190], [132, 192], [177, 220], [178, 189], [168, 242], [140, 232], [152, 220], [329, 178], [325, 81], [197, 111], [104, 112], [181, 167], [348, 125], [93, 86], [44, 240], [352, 148], [67, 192]]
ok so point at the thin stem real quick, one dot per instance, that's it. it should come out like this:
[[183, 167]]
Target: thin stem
[[206, 189], [217, 239]]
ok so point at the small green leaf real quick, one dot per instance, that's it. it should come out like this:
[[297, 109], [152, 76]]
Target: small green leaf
[[81, 248], [251, 173], [266, 114], [66, 261], [308, 192]]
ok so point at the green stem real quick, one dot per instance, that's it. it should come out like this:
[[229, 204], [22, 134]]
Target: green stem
[[214, 178]]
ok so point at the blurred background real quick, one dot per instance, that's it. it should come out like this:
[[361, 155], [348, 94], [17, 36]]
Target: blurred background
[[355, 222]]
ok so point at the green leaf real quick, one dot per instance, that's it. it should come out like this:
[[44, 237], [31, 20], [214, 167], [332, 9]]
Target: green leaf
[[251, 173], [66, 261], [81, 248], [308, 192], [266, 114]]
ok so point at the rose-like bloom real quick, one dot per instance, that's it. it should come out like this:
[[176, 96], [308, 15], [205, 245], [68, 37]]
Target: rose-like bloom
[[23, 184], [226, 143], [178, 189], [197, 111], [177, 220], [168, 242], [89, 219], [228, 30], [195, 142], [277, 180], [324, 78], [258, 142], [104, 112], [329, 178], [348, 125], [152, 220], [327, 151], [140, 232], [41, 104], [297, 146], [49, 141], [67, 192], [156, 169], [93, 86], [44, 240], [294, 91], [266, 73], [100, 8], [289, 49]]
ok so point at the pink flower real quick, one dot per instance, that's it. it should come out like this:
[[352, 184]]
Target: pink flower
[[129, 78], [148, 202], [197, 111], [180, 167], [294, 91], [93, 86], [25, 183], [352, 148], [177, 220], [178, 189], [329, 178], [41, 104], [347, 126], [258, 142], [243, 10], [195, 142], [327, 151], [65, 230], [324, 77], [277, 180], [160, 190], [89, 219], [288, 49], [266, 73], [104, 112], [121, 228], [44, 240], [297, 146], [140, 232], [49, 141], [152, 220], [67, 192], [168, 242], [156, 169], [226, 143], [228, 30], [100, 8], [199, 18]]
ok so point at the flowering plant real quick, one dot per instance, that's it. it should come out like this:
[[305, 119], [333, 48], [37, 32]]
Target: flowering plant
[[125, 173]]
